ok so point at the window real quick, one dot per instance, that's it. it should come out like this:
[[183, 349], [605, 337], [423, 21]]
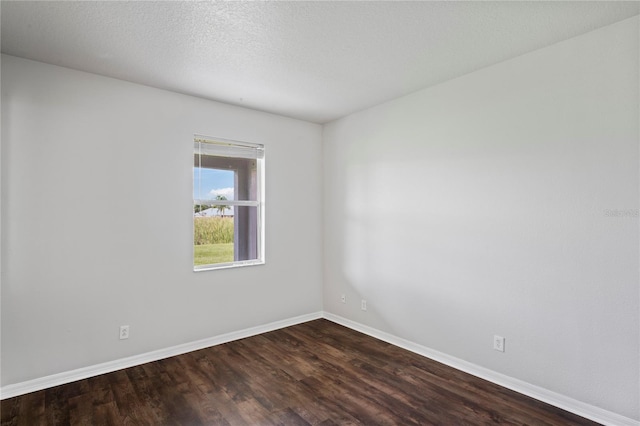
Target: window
[[228, 197]]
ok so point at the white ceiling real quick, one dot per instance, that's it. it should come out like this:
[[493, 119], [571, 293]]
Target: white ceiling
[[316, 61]]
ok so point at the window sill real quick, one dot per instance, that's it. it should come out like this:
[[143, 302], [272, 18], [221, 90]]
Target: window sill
[[240, 264]]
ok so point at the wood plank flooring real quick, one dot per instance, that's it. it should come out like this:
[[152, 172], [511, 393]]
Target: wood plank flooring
[[316, 373]]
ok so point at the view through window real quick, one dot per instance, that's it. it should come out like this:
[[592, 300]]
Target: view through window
[[227, 203]]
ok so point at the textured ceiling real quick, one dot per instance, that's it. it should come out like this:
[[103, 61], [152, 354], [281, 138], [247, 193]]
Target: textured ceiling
[[316, 61]]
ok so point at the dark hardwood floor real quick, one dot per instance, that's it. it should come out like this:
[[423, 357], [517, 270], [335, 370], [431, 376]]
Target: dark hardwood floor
[[316, 373]]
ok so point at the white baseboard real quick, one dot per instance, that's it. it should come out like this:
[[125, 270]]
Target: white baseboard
[[574, 406], [561, 401], [108, 367]]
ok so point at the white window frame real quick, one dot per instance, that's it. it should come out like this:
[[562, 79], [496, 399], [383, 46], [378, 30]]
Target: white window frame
[[227, 148]]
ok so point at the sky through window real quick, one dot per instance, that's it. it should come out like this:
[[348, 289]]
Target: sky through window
[[213, 182]]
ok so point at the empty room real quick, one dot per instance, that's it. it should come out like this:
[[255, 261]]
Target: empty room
[[320, 213]]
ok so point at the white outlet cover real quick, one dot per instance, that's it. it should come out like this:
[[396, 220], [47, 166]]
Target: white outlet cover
[[124, 332], [498, 343]]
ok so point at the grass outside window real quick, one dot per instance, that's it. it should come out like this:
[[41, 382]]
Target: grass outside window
[[213, 240]]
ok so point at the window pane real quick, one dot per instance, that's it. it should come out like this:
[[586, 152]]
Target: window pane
[[225, 239], [236, 177]]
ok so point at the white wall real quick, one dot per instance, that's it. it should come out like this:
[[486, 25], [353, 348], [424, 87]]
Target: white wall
[[481, 206], [97, 221]]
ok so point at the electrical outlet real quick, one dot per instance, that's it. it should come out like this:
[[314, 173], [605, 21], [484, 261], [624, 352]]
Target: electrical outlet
[[498, 343], [363, 305], [343, 298], [124, 332]]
